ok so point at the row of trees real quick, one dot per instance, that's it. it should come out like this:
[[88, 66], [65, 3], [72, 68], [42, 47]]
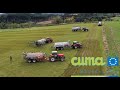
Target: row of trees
[[21, 20]]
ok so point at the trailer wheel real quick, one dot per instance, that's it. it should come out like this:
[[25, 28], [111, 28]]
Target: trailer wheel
[[29, 61], [34, 61], [57, 48], [62, 59]]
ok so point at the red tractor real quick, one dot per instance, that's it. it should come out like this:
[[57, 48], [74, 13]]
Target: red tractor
[[55, 56], [49, 40], [76, 44]]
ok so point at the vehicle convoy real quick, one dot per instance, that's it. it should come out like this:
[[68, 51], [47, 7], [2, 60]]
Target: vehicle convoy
[[42, 57], [63, 45], [79, 29], [43, 41], [99, 23]]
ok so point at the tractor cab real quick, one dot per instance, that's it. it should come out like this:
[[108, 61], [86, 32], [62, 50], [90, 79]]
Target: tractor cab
[[54, 53], [75, 42]]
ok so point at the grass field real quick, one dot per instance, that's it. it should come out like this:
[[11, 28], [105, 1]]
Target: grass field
[[113, 38], [15, 41]]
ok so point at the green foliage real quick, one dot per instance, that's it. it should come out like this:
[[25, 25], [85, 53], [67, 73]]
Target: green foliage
[[70, 20], [57, 20]]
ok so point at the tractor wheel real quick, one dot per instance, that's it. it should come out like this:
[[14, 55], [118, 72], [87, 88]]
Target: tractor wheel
[[52, 59], [62, 59], [75, 47], [57, 48], [34, 61]]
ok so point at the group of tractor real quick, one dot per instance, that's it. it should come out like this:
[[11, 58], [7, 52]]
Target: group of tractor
[[33, 57], [54, 56], [77, 28]]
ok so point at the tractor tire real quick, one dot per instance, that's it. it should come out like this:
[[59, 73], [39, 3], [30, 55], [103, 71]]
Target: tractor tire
[[75, 47], [34, 61], [57, 48], [62, 59], [52, 59]]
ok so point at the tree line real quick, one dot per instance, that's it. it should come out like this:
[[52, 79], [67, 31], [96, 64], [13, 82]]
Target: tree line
[[22, 20]]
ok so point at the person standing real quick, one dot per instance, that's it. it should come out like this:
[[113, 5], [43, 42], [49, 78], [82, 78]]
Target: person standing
[[11, 59]]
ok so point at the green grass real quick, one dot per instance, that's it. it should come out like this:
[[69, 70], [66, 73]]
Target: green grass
[[15, 41], [114, 40]]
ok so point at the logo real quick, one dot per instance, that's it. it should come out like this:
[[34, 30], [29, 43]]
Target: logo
[[113, 61], [87, 61]]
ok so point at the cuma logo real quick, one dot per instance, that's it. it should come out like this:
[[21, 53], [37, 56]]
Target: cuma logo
[[87, 61], [112, 61]]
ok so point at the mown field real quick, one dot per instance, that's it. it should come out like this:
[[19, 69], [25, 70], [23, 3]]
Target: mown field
[[16, 41], [112, 30]]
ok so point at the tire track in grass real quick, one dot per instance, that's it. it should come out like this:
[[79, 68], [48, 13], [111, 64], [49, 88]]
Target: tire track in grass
[[91, 48]]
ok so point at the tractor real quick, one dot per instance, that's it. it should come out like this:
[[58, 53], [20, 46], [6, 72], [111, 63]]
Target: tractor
[[76, 44], [49, 40], [85, 29], [54, 56], [99, 23]]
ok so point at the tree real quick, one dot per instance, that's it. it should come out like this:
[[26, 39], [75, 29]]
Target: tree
[[57, 20]]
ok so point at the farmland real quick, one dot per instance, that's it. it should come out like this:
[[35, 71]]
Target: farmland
[[13, 42], [113, 38]]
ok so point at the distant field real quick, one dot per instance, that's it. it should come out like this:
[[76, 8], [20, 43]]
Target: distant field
[[15, 41]]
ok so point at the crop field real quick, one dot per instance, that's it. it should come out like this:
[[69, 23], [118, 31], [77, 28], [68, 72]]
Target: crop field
[[16, 41]]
